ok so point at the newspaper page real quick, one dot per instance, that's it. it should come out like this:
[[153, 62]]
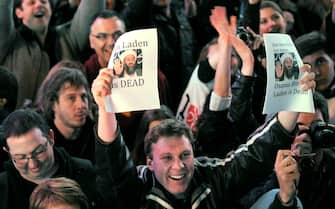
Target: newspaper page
[[283, 90], [134, 64]]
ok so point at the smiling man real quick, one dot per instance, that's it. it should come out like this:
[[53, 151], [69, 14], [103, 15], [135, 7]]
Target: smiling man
[[29, 142], [32, 48], [173, 177], [106, 28]]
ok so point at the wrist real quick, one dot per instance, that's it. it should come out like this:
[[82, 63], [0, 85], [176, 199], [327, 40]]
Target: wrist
[[286, 200]]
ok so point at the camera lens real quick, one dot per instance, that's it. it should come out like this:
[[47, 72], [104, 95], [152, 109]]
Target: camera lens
[[244, 37]]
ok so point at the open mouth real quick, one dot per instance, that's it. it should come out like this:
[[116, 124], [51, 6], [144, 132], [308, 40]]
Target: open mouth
[[177, 177], [39, 14], [34, 170]]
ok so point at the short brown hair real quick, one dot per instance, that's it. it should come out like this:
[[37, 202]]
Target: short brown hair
[[167, 128], [58, 190]]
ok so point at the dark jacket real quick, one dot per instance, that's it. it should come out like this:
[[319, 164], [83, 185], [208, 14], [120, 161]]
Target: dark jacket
[[15, 190], [238, 122], [82, 146], [217, 183], [317, 180], [24, 55]]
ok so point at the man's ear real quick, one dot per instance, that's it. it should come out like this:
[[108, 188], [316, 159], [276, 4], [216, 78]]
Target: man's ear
[[149, 163], [52, 137], [19, 13], [5, 149]]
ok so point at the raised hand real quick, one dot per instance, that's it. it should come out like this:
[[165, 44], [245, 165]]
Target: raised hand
[[101, 86], [287, 172], [228, 29], [258, 40], [220, 22]]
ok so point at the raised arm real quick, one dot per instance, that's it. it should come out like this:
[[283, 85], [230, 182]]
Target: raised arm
[[80, 25], [107, 124], [7, 27], [222, 82], [116, 172]]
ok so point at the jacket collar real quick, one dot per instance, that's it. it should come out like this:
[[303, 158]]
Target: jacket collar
[[162, 197]]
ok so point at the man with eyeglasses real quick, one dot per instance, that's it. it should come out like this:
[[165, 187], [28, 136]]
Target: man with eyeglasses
[[312, 48], [29, 142], [106, 28]]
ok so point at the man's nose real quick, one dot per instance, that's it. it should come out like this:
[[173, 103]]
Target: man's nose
[[32, 163], [80, 102], [178, 164], [110, 40], [39, 3]]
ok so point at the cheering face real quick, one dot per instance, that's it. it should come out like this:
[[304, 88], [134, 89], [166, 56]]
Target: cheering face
[[271, 21], [104, 33], [323, 67], [35, 14], [71, 109], [172, 162], [32, 154]]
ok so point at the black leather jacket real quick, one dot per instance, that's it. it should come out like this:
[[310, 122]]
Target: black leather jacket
[[217, 183]]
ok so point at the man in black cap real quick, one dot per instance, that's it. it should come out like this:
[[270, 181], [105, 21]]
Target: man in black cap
[[312, 48]]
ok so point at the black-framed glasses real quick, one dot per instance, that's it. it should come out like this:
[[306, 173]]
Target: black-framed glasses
[[104, 36], [36, 154]]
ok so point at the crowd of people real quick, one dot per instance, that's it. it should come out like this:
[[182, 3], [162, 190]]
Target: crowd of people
[[208, 145]]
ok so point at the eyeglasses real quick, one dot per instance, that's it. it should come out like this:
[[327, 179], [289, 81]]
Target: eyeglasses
[[40, 150], [104, 36]]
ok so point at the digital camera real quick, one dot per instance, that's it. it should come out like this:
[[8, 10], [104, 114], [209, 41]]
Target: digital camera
[[243, 34], [322, 134]]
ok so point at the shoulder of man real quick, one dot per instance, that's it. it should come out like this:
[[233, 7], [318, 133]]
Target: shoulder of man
[[84, 174], [82, 165]]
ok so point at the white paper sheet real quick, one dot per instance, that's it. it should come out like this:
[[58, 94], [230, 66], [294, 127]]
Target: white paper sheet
[[283, 90], [137, 89]]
